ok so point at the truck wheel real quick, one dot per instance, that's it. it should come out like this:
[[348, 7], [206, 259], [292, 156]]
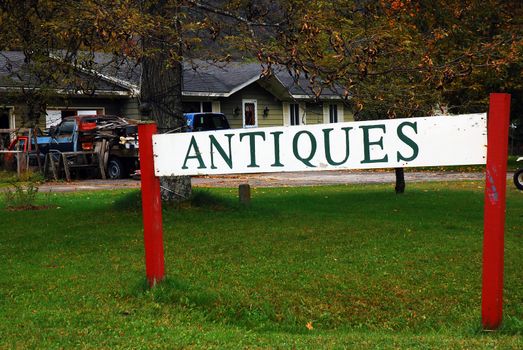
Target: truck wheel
[[518, 179], [115, 168]]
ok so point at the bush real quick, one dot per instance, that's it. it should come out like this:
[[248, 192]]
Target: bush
[[21, 196]]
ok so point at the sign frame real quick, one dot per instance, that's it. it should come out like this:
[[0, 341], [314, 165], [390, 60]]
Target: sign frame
[[494, 209]]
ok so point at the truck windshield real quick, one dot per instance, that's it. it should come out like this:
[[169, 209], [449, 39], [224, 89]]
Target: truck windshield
[[210, 122], [66, 127]]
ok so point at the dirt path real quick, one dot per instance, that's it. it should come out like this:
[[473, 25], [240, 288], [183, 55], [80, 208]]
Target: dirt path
[[273, 180]]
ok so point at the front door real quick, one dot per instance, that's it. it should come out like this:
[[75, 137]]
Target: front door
[[250, 114]]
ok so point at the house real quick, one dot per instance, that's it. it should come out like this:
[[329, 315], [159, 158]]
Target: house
[[83, 96], [249, 99], [238, 90]]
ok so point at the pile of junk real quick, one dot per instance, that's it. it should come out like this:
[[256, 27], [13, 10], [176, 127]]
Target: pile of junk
[[102, 146]]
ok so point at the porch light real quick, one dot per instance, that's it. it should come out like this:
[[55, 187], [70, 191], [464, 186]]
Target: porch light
[[236, 112], [266, 112]]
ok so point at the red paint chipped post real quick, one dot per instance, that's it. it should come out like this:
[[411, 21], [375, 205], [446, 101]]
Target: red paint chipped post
[[151, 207], [494, 220]]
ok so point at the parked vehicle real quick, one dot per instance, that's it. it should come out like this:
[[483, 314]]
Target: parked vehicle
[[518, 176], [206, 121], [81, 133]]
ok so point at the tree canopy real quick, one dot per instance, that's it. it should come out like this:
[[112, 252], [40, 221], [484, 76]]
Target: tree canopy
[[392, 57]]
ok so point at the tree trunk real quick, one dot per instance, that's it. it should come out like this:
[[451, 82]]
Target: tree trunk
[[400, 180], [161, 96], [161, 91]]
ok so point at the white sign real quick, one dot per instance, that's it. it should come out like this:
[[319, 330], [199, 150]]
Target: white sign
[[430, 141]]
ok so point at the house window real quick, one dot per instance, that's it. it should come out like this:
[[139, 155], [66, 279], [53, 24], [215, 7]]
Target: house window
[[197, 106], [333, 113], [4, 118], [294, 113], [6, 122], [206, 106], [250, 114], [191, 107]]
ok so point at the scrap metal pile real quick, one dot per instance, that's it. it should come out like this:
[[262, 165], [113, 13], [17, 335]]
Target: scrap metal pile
[[105, 143]]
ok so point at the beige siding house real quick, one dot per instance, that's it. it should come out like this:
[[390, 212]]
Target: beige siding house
[[238, 90], [249, 99]]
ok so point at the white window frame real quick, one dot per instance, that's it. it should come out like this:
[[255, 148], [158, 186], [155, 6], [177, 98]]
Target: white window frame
[[255, 113], [216, 107], [12, 119], [326, 112], [287, 113], [291, 107]]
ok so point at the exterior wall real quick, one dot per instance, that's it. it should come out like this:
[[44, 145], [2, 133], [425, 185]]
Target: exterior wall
[[130, 108], [19, 108], [112, 106], [313, 113], [278, 115], [348, 114], [263, 99]]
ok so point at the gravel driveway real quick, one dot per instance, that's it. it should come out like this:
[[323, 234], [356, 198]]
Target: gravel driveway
[[274, 180]]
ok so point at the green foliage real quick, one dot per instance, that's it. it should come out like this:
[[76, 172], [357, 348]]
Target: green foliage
[[20, 197], [8, 177], [395, 58], [362, 267]]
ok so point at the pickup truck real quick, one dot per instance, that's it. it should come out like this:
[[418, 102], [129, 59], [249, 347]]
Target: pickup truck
[[80, 133], [205, 121]]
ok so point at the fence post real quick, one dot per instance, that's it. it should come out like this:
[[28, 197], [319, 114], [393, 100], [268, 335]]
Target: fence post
[[494, 214], [151, 207]]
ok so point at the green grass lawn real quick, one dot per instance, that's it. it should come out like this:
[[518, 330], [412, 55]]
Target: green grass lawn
[[361, 266]]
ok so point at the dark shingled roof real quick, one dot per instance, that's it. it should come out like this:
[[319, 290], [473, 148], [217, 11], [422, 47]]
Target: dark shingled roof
[[123, 75], [203, 77], [16, 73], [12, 73], [224, 78]]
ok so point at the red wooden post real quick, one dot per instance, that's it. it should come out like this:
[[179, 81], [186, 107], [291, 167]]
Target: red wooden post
[[151, 207], [494, 220]]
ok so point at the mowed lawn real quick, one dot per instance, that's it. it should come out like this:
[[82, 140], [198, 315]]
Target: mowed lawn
[[314, 267]]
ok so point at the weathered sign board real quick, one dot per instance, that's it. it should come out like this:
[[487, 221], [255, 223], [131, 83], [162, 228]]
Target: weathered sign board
[[430, 141]]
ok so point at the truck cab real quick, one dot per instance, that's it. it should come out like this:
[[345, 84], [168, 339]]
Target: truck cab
[[205, 121], [81, 133]]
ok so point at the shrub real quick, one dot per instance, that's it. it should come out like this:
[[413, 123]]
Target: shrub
[[19, 196]]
